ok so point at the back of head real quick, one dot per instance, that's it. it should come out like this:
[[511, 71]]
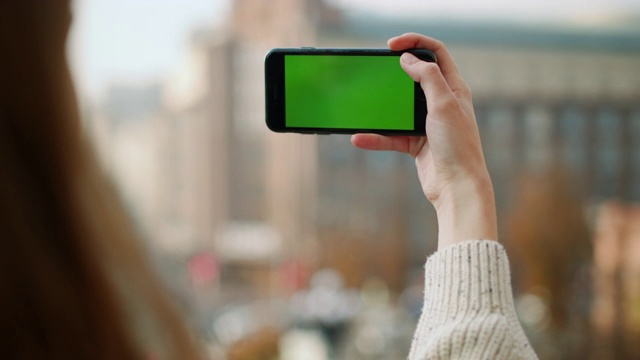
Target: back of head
[[70, 268]]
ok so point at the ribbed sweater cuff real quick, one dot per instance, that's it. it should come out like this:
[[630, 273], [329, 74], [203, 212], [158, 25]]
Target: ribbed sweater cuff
[[472, 276], [468, 306]]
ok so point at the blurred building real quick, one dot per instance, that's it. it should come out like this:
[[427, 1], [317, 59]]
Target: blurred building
[[556, 95], [131, 131], [616, 306]]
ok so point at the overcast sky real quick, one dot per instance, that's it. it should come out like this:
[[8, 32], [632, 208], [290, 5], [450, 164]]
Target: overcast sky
[[143, 40], [527, 10]]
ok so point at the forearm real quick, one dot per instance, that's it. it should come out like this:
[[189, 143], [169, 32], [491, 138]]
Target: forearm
[[466, 210]]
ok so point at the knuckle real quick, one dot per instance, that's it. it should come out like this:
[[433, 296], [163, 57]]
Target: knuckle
[[428, 71], [445, 104], [440, 46], [464, 89], [430, 68]]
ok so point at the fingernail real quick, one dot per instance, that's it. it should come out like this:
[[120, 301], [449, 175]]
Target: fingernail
[[408, 58]]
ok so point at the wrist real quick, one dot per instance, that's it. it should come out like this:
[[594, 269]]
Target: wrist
[[466, 210]]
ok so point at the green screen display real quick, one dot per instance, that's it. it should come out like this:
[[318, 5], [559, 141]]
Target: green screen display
[[347, 92]]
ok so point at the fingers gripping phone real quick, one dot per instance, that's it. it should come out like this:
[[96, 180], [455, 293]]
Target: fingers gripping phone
[[343, 91]]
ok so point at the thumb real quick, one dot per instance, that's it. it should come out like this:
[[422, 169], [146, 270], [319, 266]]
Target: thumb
[[429, 76]]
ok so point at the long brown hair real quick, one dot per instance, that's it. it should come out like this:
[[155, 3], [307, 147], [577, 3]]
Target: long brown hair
[[73, 281]]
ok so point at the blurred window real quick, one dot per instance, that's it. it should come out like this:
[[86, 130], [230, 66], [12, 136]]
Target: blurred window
[[634, 128], [498, 136], [573, 137], [538, 125], [607, 129]]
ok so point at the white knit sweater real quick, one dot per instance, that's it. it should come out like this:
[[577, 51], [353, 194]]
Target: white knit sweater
[[468, 306]]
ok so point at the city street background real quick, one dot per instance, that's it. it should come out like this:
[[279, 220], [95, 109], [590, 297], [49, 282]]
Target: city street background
[[288, 246]]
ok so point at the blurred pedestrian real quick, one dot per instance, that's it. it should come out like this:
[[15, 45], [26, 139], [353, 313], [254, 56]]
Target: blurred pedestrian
[[327, 306]]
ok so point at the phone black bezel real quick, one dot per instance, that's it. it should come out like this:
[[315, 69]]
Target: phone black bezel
[[275, 99]]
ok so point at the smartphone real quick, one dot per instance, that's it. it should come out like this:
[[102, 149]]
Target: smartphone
[[343, 91]]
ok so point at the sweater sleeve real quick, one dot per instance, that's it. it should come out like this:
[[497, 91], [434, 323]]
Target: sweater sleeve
[[468, 308]]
